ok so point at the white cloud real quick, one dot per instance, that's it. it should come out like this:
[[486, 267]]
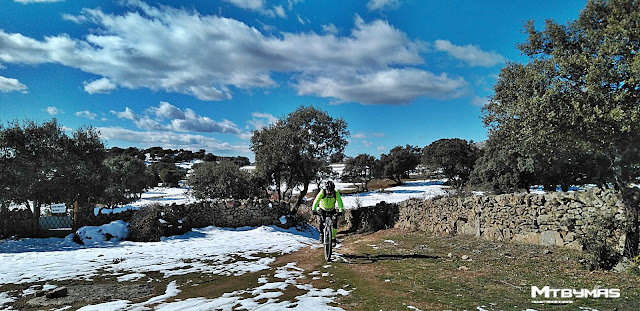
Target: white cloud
[[52, 110], [367, 143], [253, 5], [161, 48], [167, 111], [300, 20], [292, 2], [393, 86], [86, 114], [178, 120], [470, 54], [36, 1], [330, 29], [381, 149], [10, 85], [359, 135], [479, 101], [260, 7], [373, 5], [170, 140], [126, 114], [279, 10], [260, 120], [100, 86]]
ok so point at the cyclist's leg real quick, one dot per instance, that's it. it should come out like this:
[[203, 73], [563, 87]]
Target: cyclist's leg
[[321, 215], [334, 230]]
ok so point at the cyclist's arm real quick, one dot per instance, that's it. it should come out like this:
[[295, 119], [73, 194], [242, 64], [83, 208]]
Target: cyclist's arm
[[317, 200], [339, 200]]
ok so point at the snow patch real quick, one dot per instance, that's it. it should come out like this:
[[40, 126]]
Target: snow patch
[[114, 231], [5, 299], [423, 189], [252, 299], [214, 250]]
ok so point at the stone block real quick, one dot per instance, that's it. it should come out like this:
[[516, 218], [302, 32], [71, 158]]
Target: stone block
[[528, 238], [551, 238]]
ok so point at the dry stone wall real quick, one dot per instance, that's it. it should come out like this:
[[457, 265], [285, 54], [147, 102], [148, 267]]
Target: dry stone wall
[[233, 213], [548, 219]]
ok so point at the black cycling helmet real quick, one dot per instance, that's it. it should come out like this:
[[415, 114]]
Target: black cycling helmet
[[330, 186]]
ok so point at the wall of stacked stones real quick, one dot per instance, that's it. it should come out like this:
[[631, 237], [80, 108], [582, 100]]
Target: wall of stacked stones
[[233, 213], [548, 219]]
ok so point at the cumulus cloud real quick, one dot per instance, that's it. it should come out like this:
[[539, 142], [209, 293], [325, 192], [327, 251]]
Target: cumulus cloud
[[206, 56], [86, 114], [260, 120], [470, 54], [373, 5], [260, 7], [171, 118], [330, 29], [100, 86], [52, 110], [10, 85], [126, 114], [393, 86], [170, 140]]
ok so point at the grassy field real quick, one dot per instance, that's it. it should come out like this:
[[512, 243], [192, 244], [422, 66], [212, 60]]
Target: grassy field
[[394, 270]]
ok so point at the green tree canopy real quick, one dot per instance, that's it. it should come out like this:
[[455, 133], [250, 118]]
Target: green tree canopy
[[456, 157], [293, 150], [576, 103], [400, 161], [363, 168], [127, 178], [211, 180], [40, 163]]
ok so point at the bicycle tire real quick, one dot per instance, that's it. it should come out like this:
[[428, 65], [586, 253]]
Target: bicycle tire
[[328, 244]]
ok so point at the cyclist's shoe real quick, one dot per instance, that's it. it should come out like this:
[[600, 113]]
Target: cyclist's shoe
[[334, 241]]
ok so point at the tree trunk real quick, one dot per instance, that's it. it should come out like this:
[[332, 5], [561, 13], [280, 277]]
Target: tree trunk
[[36, 217], [632, 233]]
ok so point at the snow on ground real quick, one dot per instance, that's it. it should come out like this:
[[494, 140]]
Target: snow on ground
[[114, 231], [5, 299], [263, 297], [208, 250], [156, 195], [423, 189], [188, 165]]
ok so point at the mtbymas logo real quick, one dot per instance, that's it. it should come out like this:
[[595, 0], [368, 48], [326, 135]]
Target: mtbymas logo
[[568, 293]]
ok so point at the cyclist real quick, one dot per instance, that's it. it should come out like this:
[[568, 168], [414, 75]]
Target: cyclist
[[327, 199]]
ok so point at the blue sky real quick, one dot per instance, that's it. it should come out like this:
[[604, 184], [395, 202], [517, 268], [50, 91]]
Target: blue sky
[[204, 74]]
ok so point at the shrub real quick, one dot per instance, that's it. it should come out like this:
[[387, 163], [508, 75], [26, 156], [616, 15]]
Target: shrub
[[153, 222], [211, 180], [598, 243]]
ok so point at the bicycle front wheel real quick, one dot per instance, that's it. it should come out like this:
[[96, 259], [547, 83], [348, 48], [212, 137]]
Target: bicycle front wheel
[[328, 245]]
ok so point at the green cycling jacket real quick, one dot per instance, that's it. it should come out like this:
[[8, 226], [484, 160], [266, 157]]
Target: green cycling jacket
[[328, 203]]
